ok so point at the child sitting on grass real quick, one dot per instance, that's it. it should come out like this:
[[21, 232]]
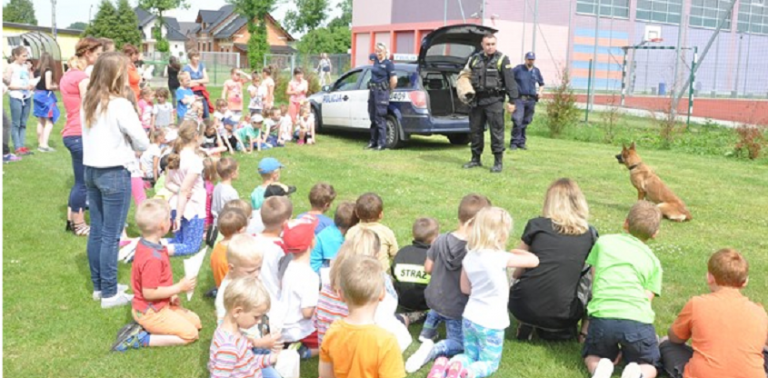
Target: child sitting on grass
[[299, 287], [231, 223], [356, 343], [231, 355], [443, 293], [369, 208], [727, 330], [627, 278], [269, 169], [305, 132], [410, 278], [484, 279], [156, 306], [275, 213], [321, 197], [330, 239]]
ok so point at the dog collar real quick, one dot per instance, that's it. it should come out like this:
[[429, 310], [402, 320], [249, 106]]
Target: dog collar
[[631, 167]]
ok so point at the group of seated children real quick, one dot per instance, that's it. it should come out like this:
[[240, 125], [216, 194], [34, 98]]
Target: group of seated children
[[333, 287]]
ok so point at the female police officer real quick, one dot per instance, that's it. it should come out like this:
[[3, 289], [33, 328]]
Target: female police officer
[[383, 79]]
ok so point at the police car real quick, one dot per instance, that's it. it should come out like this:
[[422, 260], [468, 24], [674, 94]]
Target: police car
[[425, 100]]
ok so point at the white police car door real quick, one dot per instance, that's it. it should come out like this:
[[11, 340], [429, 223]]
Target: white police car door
[[359, 117], [336, 103]]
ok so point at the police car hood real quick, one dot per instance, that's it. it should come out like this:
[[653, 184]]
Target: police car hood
[[451, 46]]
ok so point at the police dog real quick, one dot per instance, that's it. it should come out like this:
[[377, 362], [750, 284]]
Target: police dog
[[464, 88], [649, 186]]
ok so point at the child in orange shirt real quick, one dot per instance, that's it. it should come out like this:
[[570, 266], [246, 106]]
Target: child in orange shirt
[[231, 222], [727, 330], [356, 343]]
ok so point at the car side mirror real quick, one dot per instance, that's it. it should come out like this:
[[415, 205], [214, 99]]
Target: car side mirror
[[326, 88]]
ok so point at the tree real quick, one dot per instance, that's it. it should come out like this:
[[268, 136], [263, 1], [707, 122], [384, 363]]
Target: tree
[[127, 28], [345, 19], [77, 26], [157, 8], [255, 11], [103, 25], [332, 40], [309, 14], [20, 11]]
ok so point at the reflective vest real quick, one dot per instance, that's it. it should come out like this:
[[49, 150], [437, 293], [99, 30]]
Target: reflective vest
[[486, 76]]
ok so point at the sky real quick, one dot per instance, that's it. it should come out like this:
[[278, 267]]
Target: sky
[[70, 11]]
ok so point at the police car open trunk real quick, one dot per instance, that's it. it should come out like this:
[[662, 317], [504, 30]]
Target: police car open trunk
[[444, 52]]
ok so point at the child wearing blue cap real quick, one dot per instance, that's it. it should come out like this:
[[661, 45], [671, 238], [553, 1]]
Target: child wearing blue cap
[[269, 169]]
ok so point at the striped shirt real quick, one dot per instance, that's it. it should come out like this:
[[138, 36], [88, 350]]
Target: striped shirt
[[329, 306], [231, 356]]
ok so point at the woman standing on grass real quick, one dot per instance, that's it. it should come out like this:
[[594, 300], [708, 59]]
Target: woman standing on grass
[[134, 78], [547, 298], [112, 134], [45, 100], [73, 87], [199, 77]]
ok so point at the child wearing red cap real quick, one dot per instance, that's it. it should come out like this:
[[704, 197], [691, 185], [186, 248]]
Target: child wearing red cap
[[300, 287]]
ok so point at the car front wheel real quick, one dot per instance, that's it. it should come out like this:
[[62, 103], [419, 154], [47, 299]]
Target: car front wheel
[[394, 133], [318, 120]]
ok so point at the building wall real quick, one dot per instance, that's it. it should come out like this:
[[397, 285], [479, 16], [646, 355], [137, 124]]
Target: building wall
[[66, 41]]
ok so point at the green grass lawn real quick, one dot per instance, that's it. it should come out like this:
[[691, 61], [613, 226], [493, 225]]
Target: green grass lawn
[[52, 327]]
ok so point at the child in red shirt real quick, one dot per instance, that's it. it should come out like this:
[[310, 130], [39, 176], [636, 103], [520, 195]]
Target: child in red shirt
[[156, 305]]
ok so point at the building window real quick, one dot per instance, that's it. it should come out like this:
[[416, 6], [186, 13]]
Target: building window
[[753, 16], [209, 47], [666, 11], [707, 13], [608, 8]]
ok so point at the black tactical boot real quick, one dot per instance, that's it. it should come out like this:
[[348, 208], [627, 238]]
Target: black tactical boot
[[497, 163], [475, 162]]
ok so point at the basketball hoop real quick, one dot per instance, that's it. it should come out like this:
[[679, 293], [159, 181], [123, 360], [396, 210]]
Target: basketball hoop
[[656, 40]]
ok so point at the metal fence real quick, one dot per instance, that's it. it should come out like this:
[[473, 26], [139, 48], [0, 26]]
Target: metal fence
[[340, 63], [217, 64], [656, 58]]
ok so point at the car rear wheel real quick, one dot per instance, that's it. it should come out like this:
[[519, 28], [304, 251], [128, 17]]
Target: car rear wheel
[[458, 139], [394, 133]]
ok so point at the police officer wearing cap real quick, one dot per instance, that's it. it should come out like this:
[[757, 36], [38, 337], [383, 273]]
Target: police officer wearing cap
[[527, 77], [492, 80], [383, 80]]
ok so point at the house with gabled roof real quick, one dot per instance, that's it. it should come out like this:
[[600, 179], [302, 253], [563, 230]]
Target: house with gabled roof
[[224, 30], [170, 30]]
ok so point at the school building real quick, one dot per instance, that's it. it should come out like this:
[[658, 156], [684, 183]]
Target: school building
[[567, 31]]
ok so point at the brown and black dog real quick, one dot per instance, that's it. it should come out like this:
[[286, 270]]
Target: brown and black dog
[[650, 187]]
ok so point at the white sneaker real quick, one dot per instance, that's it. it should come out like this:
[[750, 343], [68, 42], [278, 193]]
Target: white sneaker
[[604, 369], [420, 357], [632, 370], [126, 253], [120, 289], [119, 299]]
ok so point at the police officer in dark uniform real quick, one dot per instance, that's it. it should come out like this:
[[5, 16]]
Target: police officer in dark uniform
[[492, 80], [383, 80], [527, 77]]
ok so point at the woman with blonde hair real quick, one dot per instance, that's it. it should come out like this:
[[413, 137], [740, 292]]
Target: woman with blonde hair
[[551, 298], [112, 134]]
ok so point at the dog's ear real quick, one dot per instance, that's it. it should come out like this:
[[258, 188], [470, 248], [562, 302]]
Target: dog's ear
[[632, 146], [623, 147]]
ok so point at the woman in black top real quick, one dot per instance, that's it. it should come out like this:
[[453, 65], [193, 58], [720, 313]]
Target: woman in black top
[[172, 70], [546, 297], [45, 100]]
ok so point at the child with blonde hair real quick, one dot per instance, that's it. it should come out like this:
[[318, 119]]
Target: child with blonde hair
[[156, 306], [484, 279], [150, 159], [258, 93], [305, 132], [162, 111], [146, 95], [245, 302], [233, 91]]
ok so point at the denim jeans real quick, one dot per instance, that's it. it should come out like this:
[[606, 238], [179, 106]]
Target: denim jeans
[[6, 133], [78, 192], [109, 191], [19, 115], [454, 341]]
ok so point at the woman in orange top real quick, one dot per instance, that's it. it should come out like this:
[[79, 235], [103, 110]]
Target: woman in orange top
[[134, 78]]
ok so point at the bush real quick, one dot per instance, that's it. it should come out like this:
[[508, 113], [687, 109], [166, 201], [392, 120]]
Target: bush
[[669, 127], [610, 119], [751, 141], [284, 77], [561, 108]]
